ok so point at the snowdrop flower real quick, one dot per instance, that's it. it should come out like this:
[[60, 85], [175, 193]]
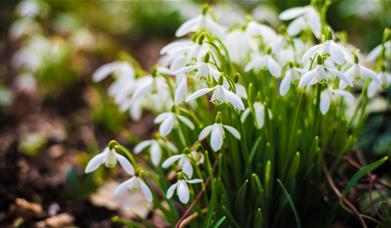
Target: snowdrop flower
[[257, 62], [305, 17], [220, 96], [374, 87], [135, 183], [168, 120], [259, 110], [291, 74], [109, 158], [183, 162], [204, 70], [155, 149], [375, 53], [322, 73], [31, 8], [24, 27], [358, 72], [203, 21], [338, 53], [328, 95], [217, 134], [182, 190], [238, 44], [264, 31], [118, 68]]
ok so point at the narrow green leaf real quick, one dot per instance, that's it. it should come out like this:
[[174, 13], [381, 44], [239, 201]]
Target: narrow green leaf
[[294, 167], [240, 197], [258, 219], [230, 217], [362, 172], [254, 149], [256, 184], [291, 204], [219, 222]]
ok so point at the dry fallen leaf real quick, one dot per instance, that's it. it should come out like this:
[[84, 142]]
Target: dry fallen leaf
[[60, 220]]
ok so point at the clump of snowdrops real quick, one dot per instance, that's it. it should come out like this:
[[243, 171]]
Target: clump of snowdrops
[[245, 117]]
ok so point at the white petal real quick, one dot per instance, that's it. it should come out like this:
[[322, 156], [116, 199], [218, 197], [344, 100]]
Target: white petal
[[373, 88], [194, 181], [369, 73], [286, 83], [170, 191], [342, 76], [167, 125], [259, 110], [292, 13], [324, 102], [296, 26], [234, 100], [372, 56], [244, 115], [187, 168], [171, 160], [349, 98], [183, 192], [145, 190], [314, 22], [171, 146], [186, 121], [156, 154], [142, 145], [216, 137], [336, 53], [125, 164], [188, 26], [233, 131], [124, 186], [104, 71], [181, 91], [310, 53], [161, 117], [198, 93], [205, 132], [95, 162], [186, 69], [306, 78]]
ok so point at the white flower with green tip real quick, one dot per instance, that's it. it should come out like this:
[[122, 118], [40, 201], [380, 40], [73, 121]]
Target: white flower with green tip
[[182, 189], [217, 134]]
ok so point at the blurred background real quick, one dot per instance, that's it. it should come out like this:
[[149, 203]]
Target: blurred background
[[53, 118]]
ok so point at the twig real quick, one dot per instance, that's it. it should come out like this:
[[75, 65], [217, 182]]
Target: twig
[[340, 196], [198, 197]]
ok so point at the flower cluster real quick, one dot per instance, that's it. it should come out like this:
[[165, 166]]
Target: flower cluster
[[249, 74]]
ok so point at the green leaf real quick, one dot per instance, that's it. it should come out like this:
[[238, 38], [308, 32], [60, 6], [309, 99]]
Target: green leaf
[[240, 198], [219, 222], [258, 218], [291, 204], [256, 184], [294, 167], [362, 172]]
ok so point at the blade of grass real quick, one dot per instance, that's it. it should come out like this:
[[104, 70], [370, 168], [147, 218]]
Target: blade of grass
[[291, 204], [362, 172]]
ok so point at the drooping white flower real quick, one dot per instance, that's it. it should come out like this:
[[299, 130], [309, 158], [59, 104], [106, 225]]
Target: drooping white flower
[[217, 134], [133, 184], [168, 120], [374, 87], [358, 72], [182, 190], [118, 68], [259, 110], [155, 149], [322, 73], [305, 17], [204, 70], [183, 162], [267, 61], [328, 95], [220, 95], [239, 44], [201, 22], [109, 158], [256, 29], [291, 74], [376, 52], [337, 52]]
